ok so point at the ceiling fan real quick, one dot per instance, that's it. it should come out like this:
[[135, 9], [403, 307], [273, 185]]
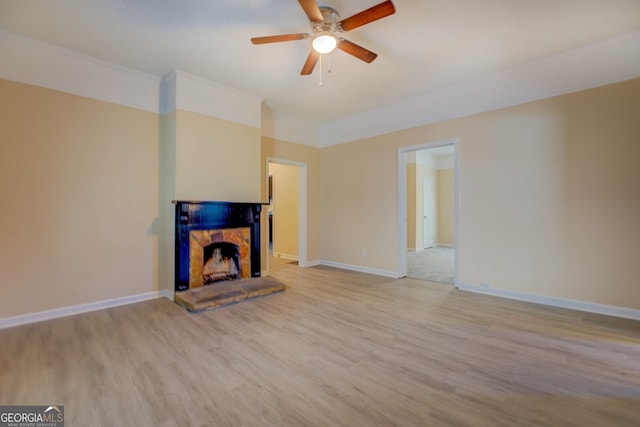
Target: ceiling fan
[[325, 25]]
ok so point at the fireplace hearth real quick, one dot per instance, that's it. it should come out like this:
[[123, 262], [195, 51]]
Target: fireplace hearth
[[215, 242]]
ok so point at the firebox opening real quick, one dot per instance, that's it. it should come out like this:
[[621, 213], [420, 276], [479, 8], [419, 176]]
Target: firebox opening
[[221, 262]]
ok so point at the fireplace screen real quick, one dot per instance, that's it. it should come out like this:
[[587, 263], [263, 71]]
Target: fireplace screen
[[216, 255], [220, 262]]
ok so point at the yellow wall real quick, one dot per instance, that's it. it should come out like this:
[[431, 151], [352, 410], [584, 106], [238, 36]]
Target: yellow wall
[[286, 189], [412, 208], [79, 191], [549, 196], [216, 159], [446, 206], [277, 149], [415, 204]]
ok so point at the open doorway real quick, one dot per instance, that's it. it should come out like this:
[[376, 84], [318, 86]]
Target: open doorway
[[287, 214], [428, 211]]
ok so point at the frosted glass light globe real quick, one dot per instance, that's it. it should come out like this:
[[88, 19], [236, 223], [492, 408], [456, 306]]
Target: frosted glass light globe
[[324, 43]]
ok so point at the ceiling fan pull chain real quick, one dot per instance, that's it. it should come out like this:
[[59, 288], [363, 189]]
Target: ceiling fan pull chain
[[329, 66], [320, 73]]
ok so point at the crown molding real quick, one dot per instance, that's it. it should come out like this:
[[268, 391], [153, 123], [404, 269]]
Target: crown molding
[[30, 61], [607, 62], [285, 128], [184, 91], [34, 62]]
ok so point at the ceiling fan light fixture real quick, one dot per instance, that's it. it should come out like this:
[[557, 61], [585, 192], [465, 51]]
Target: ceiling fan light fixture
[[325, 26], [324, 43]]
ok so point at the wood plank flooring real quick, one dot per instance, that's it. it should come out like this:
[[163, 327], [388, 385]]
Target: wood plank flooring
[[336, 349]]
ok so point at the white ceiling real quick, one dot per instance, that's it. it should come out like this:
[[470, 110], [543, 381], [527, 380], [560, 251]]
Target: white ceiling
[[425, 46]]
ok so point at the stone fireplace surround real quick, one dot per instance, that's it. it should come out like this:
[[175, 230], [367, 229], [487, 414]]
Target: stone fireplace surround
[[199, 224]]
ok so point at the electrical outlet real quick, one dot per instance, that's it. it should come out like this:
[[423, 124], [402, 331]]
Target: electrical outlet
[[364, 252]]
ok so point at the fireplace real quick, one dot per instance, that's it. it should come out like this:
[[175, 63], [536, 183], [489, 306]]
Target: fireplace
[[216, 242]]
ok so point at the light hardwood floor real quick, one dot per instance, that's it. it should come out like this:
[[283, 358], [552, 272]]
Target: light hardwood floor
[[336, 349]]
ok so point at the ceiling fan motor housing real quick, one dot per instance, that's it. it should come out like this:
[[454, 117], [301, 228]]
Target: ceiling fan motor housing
[[329, 24]]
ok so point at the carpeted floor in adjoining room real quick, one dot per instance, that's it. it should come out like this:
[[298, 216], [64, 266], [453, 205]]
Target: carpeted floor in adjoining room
[[433, 264]]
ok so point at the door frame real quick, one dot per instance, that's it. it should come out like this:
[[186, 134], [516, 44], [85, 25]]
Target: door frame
[[402, 202], [302, 207]]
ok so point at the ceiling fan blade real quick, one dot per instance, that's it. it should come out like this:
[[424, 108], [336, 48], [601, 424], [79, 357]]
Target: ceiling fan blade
[[358, 51], [366, 16], [310, 63], [280, 38], [312, 10]]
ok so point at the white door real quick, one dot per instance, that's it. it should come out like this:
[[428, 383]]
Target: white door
[[428, 213]]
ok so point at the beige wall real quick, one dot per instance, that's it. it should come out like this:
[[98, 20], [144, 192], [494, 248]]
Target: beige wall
[[358, 209], [277, 149], [166, 247], [216, 159], [286, 190], [446, 206], [549, 196], [79, 191]]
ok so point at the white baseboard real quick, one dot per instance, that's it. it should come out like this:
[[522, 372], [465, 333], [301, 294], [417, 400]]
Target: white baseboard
[[312, 263], [361, 269], [436, 245], [286, 256], [23, 319], [589, 307]]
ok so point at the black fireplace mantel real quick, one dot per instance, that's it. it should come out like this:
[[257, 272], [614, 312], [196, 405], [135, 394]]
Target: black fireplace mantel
[[205, 215]]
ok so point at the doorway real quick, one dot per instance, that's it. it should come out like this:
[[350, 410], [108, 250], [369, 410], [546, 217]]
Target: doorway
[[287, 213], [428, 211]]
